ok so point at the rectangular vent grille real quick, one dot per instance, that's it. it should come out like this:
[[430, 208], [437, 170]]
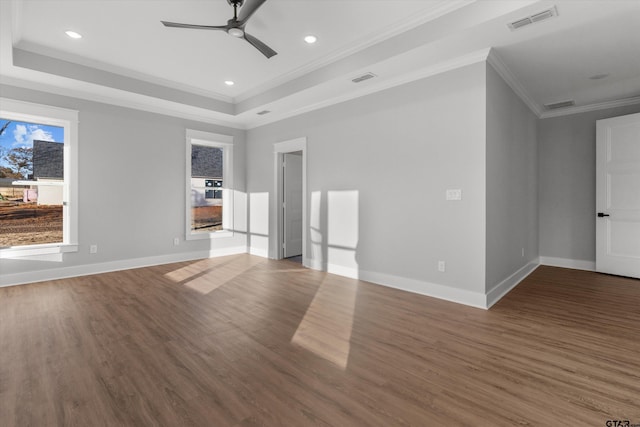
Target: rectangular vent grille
[[363, 77], [263, 112], [519, 24], [542, 16], [561, 104], [537, 17]]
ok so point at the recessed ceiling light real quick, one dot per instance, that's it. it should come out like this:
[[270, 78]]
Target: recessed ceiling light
[[73, 34], [310, 39], [229, 82]]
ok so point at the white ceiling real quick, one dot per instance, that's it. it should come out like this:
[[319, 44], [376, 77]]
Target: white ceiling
[[127, 57]]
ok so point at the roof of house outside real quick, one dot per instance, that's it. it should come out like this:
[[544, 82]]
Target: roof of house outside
[[48, 159], [206, 162]]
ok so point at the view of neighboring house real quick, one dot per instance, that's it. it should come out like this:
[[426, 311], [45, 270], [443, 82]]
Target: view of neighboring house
[[206, 176], [48, 170]]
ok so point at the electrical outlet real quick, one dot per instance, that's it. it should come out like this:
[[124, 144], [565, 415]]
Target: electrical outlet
[[455, 194], [441, 266], [176, 241], [93, 249]]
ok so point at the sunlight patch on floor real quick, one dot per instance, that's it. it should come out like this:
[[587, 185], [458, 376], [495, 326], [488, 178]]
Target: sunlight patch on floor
[[207, 282], [326, 327], [188, 271], [206, 275]]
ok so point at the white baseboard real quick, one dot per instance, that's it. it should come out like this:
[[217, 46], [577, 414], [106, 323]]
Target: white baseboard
[[448, 293], [264, 253], [312, 264], [576, 264], [340, 270], [502, 288], [106, 267], [461, 296]]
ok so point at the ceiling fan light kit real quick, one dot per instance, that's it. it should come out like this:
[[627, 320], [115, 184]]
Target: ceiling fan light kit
[[235, 32], [235, 26]]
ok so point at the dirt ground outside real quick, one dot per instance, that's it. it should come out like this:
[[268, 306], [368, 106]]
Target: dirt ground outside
[[29, 224], [206, 218]]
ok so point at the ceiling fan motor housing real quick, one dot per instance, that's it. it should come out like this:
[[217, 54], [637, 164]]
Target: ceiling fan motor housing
[[235, 26]]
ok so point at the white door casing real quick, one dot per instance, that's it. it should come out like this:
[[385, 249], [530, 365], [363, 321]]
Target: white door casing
[[275, 243], [292, 207], [618, 195]]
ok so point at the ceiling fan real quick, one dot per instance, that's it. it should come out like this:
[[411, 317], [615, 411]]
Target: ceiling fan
[[235, 26]]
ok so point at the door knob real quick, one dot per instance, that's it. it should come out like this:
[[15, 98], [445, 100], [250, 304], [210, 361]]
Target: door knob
[[602, 214]]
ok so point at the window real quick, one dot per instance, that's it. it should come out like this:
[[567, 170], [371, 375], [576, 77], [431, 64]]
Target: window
[[209, 185], [38, 184]]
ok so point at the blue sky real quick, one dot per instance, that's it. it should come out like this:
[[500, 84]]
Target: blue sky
[[22, 134]]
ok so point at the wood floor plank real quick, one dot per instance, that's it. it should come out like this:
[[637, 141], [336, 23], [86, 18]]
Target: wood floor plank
[[245, 341]]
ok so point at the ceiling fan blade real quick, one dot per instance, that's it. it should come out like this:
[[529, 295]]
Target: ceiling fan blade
[[266, 50], [248, 9], [196, 27]]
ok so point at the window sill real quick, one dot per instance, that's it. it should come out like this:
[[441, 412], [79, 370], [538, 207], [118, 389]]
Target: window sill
[[37, 250], [210, 236]]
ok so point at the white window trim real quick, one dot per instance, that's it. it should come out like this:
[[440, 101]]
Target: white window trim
[[68, 119], [195, 137]]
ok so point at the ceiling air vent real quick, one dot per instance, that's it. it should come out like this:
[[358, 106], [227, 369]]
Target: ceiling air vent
[[537, 17], [363, 77], [561, 104], [263, 112]]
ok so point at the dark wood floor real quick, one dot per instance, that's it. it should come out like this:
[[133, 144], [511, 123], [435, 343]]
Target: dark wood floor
[[244, 341]]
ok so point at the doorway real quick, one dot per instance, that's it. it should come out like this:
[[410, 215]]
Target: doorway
[[290, 189], [292, 205], [618, 196]]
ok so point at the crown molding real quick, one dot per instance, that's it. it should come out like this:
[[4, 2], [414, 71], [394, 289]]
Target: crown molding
[[442, 8], [511, 80], [130, 100], [16, 42], [160, 106], [27, 60], [94, 67], [442, 67], [591, 107]]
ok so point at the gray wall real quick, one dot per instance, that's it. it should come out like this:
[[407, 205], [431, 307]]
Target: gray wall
[[131, 178], [567, 183], [378, 168], [512, 211]]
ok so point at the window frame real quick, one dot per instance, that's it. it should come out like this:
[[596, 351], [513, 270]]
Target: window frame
[[67, 119], [225, 142]]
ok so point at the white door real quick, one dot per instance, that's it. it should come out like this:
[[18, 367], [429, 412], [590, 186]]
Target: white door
[[618, 196], [292, 207]]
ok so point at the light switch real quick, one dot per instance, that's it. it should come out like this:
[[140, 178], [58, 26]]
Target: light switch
[[455, 194]]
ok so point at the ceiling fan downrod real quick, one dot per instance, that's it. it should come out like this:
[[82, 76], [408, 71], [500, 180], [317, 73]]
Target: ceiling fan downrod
[[236, 4], [235, 26]]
